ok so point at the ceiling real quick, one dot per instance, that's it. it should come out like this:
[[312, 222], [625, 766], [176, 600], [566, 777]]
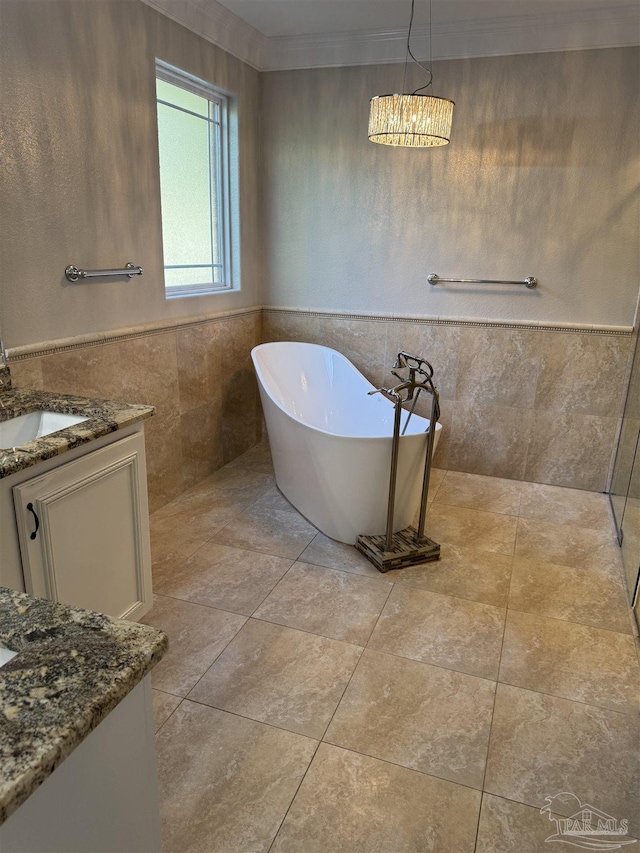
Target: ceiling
[[280, 34], [306, 17]]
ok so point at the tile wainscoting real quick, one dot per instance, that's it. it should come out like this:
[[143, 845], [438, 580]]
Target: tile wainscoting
[[522, 403], [535, 403], [198, 374]]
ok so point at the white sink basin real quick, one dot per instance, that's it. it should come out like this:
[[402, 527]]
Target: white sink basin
[[6, 655], [25, 428]]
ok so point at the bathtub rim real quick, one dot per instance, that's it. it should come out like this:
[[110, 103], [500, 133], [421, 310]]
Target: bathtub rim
[[264, 386]]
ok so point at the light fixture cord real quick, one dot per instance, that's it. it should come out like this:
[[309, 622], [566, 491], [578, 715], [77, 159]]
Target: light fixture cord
[[410, 53]]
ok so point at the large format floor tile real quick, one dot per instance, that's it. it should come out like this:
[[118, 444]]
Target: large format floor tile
[[224, 577], [590, 594], [164, 704], [471, 528], [565, 544], [256, 459], [351, 803], [340, 605], [414, 726], [197, 635], [441, 630], [464, 572], [170, 546], [196, 514], [262, 527], [435, 481], [565, 506], [225, 782], [541, 746], [420, 716], [326, 552], [280, 676], [508, 827], [231, 486], [475, 491], [573, 661]]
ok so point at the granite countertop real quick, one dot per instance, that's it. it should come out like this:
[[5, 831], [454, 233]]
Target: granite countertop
[[72, 668], [104, 416]]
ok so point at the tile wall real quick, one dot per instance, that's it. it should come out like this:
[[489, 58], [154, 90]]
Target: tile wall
[[198, 376], [525, 404]]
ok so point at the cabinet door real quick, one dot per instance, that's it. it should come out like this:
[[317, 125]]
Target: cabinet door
[[84, 531]]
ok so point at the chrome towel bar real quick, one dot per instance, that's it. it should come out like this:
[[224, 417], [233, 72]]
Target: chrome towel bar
[[73, 273], [530, 281]]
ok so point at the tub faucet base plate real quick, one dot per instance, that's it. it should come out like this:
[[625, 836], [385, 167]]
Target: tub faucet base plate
[[406, 550]]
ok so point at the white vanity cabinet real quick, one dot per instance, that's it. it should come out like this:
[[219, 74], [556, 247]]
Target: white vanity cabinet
[[80, 527], [103, 797]]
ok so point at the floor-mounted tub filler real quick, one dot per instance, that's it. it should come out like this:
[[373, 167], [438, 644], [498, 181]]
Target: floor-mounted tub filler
[[331, 441]]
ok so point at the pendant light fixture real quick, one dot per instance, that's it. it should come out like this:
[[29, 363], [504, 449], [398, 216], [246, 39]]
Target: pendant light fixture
[[411, 120]]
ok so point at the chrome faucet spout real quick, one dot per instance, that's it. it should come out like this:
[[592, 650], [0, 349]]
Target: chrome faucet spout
[[390, 394]]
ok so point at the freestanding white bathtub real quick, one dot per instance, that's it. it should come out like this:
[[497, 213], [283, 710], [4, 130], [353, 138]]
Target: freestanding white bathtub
[[331, 441]]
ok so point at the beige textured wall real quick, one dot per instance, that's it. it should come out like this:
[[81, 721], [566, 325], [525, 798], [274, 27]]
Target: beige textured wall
[[199, 377], [540, 179], [78, 147], [529, 405], [80, 164]]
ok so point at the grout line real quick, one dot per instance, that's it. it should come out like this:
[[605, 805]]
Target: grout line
[[168, 692], [255, 550], [251, 719], [386, 601], [622, 714], [464, 506], [305, 631], [191, 689], [402, 766], [330, 720], [475, 841], [295, 794], [568, 621], [631, 713], [430, 663], [414, 585], [495, 693], [164, 722], [200, 604], [335, 711], [308, 633], [280, 579], [339, 702]]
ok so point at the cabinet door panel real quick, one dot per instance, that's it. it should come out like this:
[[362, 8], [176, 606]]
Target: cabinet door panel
[[92, 546]]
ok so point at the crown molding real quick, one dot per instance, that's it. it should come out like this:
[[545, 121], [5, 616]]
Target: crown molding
[[218, 25], [617, 26], [595, 28]]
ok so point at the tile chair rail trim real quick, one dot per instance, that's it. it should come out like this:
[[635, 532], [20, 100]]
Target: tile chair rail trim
[[535, 326], [159, 327], [44, 348]]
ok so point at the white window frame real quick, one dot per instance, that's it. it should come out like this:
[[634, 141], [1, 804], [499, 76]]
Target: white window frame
[[226, 196]]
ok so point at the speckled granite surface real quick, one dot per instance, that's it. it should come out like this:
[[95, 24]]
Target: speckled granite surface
[[72, 668], [105, 416]]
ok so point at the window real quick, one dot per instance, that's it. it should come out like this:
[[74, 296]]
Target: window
[[198, 185]]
